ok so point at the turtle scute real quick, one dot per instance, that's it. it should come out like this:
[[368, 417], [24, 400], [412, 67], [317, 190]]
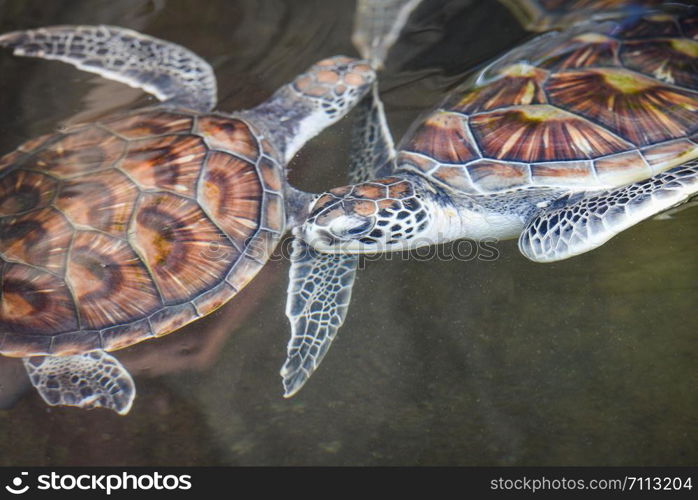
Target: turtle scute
[[130, 228], [597, 105]]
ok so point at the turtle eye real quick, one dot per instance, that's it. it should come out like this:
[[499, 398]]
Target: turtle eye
[[349, 226], [359, 229]]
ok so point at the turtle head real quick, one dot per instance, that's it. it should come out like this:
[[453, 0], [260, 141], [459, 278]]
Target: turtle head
[[377, 216]]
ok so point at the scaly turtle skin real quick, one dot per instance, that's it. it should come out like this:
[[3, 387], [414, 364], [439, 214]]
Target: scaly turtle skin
[[563, 142], [128, 228]]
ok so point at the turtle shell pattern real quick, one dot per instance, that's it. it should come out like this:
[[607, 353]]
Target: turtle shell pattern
[[131, 227], [541, 15], [600, 105]]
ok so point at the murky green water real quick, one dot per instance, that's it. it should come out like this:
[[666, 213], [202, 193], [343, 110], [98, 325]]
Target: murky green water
[[589, 361]]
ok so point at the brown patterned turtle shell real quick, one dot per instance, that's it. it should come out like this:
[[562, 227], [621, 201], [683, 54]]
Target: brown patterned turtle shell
[[543, 15], [601, 105], [129, 228]]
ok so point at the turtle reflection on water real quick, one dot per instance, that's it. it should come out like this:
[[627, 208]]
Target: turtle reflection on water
[[128, 228]]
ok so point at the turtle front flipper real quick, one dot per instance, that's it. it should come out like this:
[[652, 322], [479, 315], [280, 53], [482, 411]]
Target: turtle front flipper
[[319, 292], [320, 284], [89, 380], [173, 74], [577, 223], [372, 147]]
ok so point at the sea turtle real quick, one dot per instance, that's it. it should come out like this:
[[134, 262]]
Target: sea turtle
[[130, 227], [562, 142]]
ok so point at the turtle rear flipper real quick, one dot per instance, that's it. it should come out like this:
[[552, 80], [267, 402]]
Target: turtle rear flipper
[[581, 222], [377, 26], [173, 74], [89, 380], [316, 99]]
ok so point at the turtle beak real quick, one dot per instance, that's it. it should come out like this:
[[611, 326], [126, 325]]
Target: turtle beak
[[317, 237], [320, 239]]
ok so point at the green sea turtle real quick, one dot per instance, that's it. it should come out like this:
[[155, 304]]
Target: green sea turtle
[[563, 142], [130, 227]]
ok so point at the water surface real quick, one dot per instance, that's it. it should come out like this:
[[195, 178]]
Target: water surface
[[590, 361]]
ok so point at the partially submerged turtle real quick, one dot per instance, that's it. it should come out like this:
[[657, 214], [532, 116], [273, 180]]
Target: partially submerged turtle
[[128, 228], [563, 142]]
